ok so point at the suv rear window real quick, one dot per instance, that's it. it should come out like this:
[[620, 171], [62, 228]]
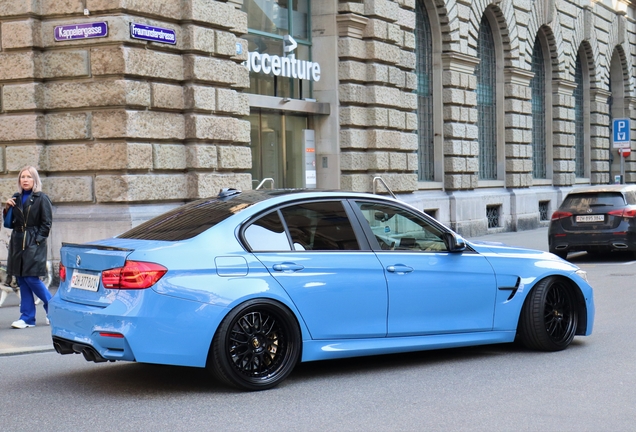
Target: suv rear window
[[583, 201]]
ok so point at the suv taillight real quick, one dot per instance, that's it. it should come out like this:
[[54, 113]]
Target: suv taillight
[[62, 273], [133, 275], [560, 215], [626, 213]]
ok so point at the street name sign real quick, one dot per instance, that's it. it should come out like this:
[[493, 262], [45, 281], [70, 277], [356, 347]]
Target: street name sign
[[152, 33], [80, 31]]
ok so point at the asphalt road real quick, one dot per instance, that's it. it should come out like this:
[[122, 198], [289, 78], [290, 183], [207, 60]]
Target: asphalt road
[[591, 386]]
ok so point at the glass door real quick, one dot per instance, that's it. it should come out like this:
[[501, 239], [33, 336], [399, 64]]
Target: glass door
[[277, 148]]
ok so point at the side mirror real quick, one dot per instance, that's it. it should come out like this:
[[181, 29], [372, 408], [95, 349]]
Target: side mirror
[[454, 242], [380, 216]]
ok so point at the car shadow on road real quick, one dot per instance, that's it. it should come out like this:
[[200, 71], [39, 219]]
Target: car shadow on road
[[134, 380], [373, 365], [602, 258]]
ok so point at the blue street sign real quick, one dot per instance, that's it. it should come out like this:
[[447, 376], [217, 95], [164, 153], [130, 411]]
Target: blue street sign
[[153, 34], [621, 136], [80, 31]]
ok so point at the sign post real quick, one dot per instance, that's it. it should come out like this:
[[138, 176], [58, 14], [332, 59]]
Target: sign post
[[309, 158], [621, 140]]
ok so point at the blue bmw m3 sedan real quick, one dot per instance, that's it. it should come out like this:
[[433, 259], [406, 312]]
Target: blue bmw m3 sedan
[[247, 284]]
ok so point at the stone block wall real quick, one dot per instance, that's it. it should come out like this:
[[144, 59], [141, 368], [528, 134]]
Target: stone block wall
[[384, 47], [461, 148], [376, 94], [116, 122], [120, 120], [113, 123]]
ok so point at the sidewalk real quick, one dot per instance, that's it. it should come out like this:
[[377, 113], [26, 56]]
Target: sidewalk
[[38, 338], [531, 239], [22, 341]]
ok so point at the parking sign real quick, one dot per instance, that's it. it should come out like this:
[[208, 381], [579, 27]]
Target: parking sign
[[621, 136]]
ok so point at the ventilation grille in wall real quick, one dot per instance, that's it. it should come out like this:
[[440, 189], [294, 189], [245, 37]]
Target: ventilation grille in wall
[[493, 213]]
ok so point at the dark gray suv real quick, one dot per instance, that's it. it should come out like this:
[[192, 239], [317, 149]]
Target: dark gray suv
[[595, 219]]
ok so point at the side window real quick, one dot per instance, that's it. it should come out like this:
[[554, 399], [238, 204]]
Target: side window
[[320, 226], [398, 229], [267, 234]]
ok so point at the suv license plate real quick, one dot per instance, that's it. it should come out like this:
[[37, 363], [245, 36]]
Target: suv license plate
[[590, 218], [84, 281]]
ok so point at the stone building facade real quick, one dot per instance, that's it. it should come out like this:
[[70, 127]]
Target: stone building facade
[[123, 128]]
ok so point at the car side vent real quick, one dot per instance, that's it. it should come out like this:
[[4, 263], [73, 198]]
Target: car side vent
[[512, 289], [227, 192]]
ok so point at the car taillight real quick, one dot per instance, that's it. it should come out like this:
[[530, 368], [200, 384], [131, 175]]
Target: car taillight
[[626, 213], [133, 275], [62, 273], [560, 215]]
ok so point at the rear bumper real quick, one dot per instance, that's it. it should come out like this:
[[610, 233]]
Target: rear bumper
[[140, 326], [602, 242], [63, 346]]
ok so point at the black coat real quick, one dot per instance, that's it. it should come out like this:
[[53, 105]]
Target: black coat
[[31, 226]]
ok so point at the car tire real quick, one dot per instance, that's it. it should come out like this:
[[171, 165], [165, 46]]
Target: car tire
[[549, 316], [256, 345]]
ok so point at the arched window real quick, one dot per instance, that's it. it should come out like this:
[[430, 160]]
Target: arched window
[[538, 112], [579, 120], [424, 71], [486, 72]]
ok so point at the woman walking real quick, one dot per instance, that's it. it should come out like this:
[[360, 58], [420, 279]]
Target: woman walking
[[32, 218]]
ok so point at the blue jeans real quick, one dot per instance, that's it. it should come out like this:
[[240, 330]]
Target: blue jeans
[[30, 285]]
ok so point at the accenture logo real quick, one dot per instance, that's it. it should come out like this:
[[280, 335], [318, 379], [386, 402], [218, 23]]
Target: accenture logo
[[288, 66]]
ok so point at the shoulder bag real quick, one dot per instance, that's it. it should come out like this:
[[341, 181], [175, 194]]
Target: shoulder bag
[[8, 218]]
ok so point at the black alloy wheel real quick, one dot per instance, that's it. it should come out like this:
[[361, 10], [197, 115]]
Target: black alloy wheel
[[549, 316], [256, 346]]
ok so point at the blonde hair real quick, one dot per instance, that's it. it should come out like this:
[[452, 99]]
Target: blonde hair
[[37, 183]]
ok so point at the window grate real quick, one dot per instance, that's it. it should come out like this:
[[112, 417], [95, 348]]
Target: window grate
[[579, 143], [492, 214], [543, 210], [538, 112], [486, 72], [424, 71]]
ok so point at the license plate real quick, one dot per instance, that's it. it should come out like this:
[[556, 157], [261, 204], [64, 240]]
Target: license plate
[[590, 218], [84, 281]]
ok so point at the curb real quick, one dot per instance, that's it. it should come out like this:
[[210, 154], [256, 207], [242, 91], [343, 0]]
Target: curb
[[5, 352]]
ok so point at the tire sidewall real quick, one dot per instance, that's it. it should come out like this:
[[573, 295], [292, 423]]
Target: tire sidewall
[[532, 327], [221, 363]]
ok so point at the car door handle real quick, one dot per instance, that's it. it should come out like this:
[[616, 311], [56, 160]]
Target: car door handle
[[399, 268], [287, 267]]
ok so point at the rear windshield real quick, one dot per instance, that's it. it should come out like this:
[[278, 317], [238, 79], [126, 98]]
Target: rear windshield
[[192, 219], [583, 201]]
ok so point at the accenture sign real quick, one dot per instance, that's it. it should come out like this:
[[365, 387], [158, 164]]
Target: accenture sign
[[287, 66]]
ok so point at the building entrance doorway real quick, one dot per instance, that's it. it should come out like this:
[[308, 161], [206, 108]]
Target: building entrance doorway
[[277, 148]]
